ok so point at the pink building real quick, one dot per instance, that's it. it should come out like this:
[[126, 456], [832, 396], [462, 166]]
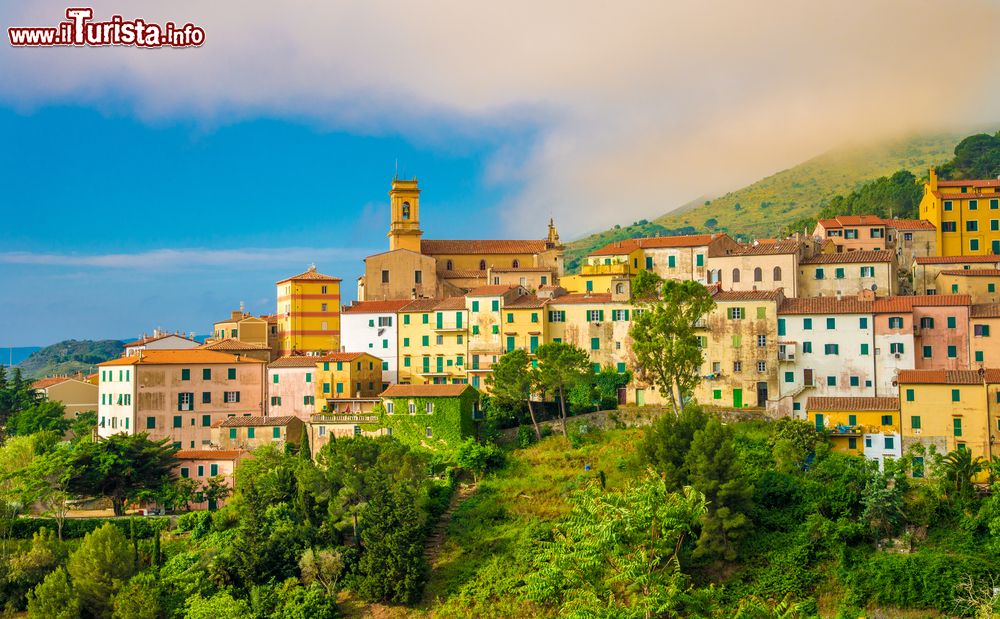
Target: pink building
[[203, 464], [291, 386], [854, 232], [937, 325]]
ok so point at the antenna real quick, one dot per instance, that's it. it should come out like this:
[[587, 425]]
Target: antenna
[[395, 175]]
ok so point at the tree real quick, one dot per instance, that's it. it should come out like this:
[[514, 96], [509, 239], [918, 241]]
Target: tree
[[646, 286], [883, 505], [28, 569], [960, 468], [561, 366], [216, 489], [324, 567], [46, 481], [99, 568], [478, 457], [714, 471], [513, 380], [668, 441], [43, 415], [83, 425], [222, 605], [664, 341], [54, 598], [977, 156], [607, 382], [393, 567], [121, 467], [139, 599]]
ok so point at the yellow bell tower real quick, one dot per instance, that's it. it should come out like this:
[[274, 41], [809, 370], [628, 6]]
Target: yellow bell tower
[[404, 205]]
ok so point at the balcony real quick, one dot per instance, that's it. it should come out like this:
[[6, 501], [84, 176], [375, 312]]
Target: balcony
[[787, 351], [620, 268], [327, 418]]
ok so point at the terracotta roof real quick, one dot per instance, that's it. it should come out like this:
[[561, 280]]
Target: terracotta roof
[[888, 305], [491, 291], [957, 259], [723, 296], [375, 307], [988, 182], [425, 391], [45, 383], [193, 356], [580, 298], [451, 303], [340, 356], [420, 305], [851, 257], [462, 274], [311, 274], [947, 377], [825, 305], [852, 220], [522, 270], [852, 404], [246, 422], [294, 361], [210, 454], [771, 249], [151, 338], [432, 247], [910, 224], [658, 242], [231, 344], [972, 272], [526, 301], [957, 197], [985, 310]]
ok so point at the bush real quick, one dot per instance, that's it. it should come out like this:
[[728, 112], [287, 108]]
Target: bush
[[525, 436], [54, 598], [99, 568], [75, 528]]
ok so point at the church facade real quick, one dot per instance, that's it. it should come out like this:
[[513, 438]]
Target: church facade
[[415, 267]]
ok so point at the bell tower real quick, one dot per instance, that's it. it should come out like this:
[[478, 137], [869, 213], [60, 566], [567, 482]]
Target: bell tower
[[404, 206]]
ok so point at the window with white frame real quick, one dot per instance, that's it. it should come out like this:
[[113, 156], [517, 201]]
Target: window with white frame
[[761, 366], [412, 406]]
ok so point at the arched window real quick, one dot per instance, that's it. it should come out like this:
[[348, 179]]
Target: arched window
[[482, 265], [406, 210], [515, 264], [758, 275], [736, 276], [777, 274], [448, 266], [620, 288]]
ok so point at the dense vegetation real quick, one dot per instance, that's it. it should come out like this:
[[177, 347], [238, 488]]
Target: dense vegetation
[[772, 204], [70, 357]]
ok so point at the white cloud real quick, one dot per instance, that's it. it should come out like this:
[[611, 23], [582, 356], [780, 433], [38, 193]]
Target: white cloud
[[184, 259], [639, 106]]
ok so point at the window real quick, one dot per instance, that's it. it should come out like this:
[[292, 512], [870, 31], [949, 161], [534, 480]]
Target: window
[[974, 244], [807, 324], [449, 265], [206, 397], [150, 423], [185, 472], [928, 352], [761, 313], [699, 260], [515, 264], [973, 205], [671, 261], [206, 374], [230, 397], [895, 322], [979, 356], [737, 341], [737, 367], [807, 347], [947, 205], [758, 274], [838, 273], [831, 349], [819, 273], [232, 433], [949, 226], [981, 330], [385, 276], [855, 381], [736, 276], [886, 420], [952, 352], [926, 322], [185, 401], [909, 395], [557, 316], [831, 323], [896, 348], [762, 366], [956, 395], [735, 313], [717, 394], [867, 271], [276, 433], [428, 432], [889, 442], [777, 274], [595, 343], [864, 349], [918, 466], [863, 322], [251, 432], [761, 341], [852, 443], [789, 377], [972, 226], [231, 374], [615, 315], [951, 322], [957, 426], [781, 327], [649, 262], [595, 315], [831, 381], [177, 421], [482, 265], [274, 378], [185, 374]]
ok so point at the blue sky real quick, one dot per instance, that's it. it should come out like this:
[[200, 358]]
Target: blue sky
[[159, 188]]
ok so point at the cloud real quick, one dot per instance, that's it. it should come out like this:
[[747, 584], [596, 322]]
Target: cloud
[[183, 259], [637, 106]]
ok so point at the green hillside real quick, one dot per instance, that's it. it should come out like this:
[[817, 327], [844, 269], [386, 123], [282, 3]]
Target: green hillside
[[763, 208], [69, 357]]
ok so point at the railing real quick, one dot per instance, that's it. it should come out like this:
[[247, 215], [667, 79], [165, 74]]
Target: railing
[[620, 268], [344, 418]]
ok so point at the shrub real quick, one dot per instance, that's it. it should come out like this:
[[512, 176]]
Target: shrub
[[525, 437], [99, 567], [54, 598], [75, 528]]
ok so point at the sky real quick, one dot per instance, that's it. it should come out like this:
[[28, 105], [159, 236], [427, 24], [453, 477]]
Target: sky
[[144, 188]]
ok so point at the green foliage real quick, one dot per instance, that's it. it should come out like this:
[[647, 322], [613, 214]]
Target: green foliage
[[664, 340], [323, 568], [960, 468], [392, 568], [450, 423], [792, 442], [646, 286], [99, 568], [668, 441], [54, 598], [121, 467], [70, 357], [512, 381], [976, 157], [561, 367], [607, 382], [83, 425], [883, 505], [16, 395], [75, 528], [616, 554], [139, 599], [479, 458], [222, 605], [40, 416], [888, 196]]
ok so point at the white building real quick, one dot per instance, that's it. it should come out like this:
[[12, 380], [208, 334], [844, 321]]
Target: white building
[[833, 342], [879, 446], [370, 327], [160, 341]]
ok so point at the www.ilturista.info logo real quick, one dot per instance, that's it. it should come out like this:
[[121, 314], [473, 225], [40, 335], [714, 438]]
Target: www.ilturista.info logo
[[80, 30]]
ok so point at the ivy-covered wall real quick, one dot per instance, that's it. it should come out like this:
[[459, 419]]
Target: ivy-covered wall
[[450, 423]]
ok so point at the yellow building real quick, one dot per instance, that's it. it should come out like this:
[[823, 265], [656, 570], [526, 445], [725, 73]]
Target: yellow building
[[984, 335], [433, 341], [249, 329], [525, 323], [415, 267], [346, 375], [599, 324], [485, 306], [950, 409], [979, 284], [309, 313], [858, 425], [966, 214]]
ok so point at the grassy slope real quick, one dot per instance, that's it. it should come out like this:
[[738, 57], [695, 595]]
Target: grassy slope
[[770, 203], [69, 357]]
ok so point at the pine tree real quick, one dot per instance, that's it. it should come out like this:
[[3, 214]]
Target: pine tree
[[99, 567], [54, 598]]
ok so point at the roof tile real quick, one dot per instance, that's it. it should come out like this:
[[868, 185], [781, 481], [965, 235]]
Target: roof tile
[[425, 391], [852, 404], [194, 356], [851, 257], [375, 307], [436, 247]]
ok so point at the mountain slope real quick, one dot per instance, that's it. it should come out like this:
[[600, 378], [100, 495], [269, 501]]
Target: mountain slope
[[69, 357], [761, 209]]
